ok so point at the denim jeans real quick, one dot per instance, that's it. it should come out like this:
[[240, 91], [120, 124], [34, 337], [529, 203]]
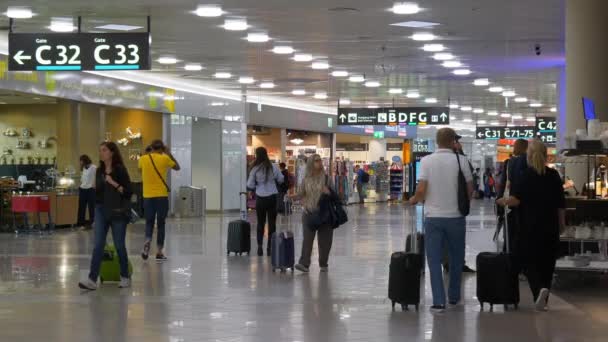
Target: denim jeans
[[450, 231], [86, 198], [156, 209], [119, 233]]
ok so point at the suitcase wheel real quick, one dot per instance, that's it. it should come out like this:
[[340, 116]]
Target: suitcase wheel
[[506, 307], [283, 270], [273, 270], [481, 306], [491, 307], [393, 302], [416, 307], [516, 306], [404, 307]]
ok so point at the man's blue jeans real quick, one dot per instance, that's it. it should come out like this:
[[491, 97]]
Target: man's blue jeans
[[451, 232], [156, 209], [119, 233]]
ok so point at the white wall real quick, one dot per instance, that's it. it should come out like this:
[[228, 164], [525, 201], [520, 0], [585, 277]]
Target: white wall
[[207, 159], [377, 149], [234, 161], [181, 148]]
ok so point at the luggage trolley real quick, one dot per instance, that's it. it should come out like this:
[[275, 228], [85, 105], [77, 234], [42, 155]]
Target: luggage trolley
[[35, 204]]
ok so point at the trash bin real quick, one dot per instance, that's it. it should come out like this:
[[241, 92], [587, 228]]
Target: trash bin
[[191, 201]]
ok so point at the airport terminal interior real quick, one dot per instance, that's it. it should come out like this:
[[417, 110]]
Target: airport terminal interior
[[137, 130]]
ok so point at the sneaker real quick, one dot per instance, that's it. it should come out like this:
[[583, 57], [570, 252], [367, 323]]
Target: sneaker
[[146, 250], [541, 301], [260, 251], [325, 269], [160, 257], [438, 309], [88, 285], [124, 283], [302, 268], [467, 269]]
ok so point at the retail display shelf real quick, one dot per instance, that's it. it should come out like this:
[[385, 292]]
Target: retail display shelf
[[594, 266]]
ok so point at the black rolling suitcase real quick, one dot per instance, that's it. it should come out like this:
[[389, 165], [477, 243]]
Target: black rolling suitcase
[[239, 233], [497, 276], [404, 275]]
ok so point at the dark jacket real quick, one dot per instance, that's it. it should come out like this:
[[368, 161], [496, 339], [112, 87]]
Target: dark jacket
[[120, 176]]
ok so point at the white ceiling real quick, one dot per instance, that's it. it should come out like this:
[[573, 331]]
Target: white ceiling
[[495, 38]]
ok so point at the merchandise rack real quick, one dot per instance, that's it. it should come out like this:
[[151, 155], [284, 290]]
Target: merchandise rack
[[396, 182], [600, 266]]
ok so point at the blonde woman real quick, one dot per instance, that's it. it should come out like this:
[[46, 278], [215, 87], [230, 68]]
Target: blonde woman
[[540, 198], [315, 194]]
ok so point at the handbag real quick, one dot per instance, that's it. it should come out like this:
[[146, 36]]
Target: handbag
[[115, 205], [158, 173], [464, 204]]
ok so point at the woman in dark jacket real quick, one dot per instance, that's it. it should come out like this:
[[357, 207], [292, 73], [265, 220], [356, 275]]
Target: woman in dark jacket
[[112, 183], [539, 197]]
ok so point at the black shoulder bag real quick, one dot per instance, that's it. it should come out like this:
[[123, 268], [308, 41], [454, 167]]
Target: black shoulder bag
[[115, 205], [158, 173], [464, 204]]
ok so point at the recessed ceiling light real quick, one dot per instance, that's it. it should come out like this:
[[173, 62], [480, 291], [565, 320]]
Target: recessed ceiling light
[[405, 8], [451, 64], [453, 118], [118, 27], [126, 87], [267, 85], [466, 108], [505, 115], [90, 81], [193, 67], [467, 120], [536, 105], [302, 57], [433, 47], [553, 109], [218, 104], [320, 65], [299, 92], [510, 125], [495, 89], [246, 80], [395, 91], [167, 60], [493, 113], [454, 106], [222, 75], [283, 50], [517, 116], [208, 11], [416, 24], [18, 12], [481, 82], [62, 25], [423, 36], [257, 37], [320, 96], [478, 111], [344, 101], [443, 56], [372, 84], [508, 93], [494, 123], [481, 122], [340, 73], [356, 79], [372, 106], [531, 119], [462, 72], [235, 24], [520, 99], [412, 94], [430, 100]]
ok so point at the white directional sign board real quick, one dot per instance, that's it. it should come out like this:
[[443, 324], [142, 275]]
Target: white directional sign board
[[410, 116]]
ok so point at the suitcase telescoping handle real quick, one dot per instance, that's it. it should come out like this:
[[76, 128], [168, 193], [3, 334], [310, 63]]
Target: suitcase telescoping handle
[[414, 235], [243, 205]]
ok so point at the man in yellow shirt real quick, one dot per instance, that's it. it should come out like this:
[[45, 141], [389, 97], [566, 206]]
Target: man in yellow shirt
[[154, 167]]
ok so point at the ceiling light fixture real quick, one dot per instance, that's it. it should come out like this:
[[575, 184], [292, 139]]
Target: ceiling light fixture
[[536, 105], [454, 106], [267, 85], [462, 72], [466, 108], [481, 82], [320, 65], [520, 99], [508, 93], [495, 89], [283, 50], [505, 115], [433, 47], [344, 102], [494, 123], [395, 91], [17, 12], [443, 56], [340, 73], [405, 8], [208, 11], [372, 84], [423, 36], [257, 37], [430, 100], [296, 141], [372, 106], [481, 122], [356, 79], [62, 25], [298, 92], [222, 75], [478, 111], [553, 109], [193, 67], [517, 117], [467, 120], [416, 24], [167, 60], [451, 64], [302, 57], [118, 27], [412, 95], [531, 119], [246, 80], [320, 96], [493, 113], [235, 24]]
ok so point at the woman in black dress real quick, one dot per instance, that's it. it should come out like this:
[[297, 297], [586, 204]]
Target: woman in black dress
[[540, 199]]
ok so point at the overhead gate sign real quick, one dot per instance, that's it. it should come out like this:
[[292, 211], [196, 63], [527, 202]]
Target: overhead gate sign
[[411, 116]]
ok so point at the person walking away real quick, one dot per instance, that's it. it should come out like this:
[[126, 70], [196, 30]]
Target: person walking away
[[438, 189], [315, 193], [154, 167], [361, 180], [489, 183], [539, 197], [112, 181], [86, 191], [515, 167], [264, 177]]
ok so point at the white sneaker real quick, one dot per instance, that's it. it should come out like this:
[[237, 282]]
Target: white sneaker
[[124, 283], [541, 301], [88, 285]]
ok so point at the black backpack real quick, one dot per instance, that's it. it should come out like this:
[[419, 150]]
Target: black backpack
[[365, 177]]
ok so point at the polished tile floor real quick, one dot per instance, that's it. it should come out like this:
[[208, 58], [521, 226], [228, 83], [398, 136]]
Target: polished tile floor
[[200, 294]]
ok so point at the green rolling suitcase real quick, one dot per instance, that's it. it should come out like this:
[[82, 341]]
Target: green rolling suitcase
[[110, 267]]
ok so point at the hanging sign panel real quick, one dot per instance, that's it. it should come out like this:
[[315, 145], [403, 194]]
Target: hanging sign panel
[[78, 51], [546, 129], [411, 116], [497, 133]]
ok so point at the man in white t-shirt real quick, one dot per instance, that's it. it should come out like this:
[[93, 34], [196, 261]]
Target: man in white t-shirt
[[443, 223]]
